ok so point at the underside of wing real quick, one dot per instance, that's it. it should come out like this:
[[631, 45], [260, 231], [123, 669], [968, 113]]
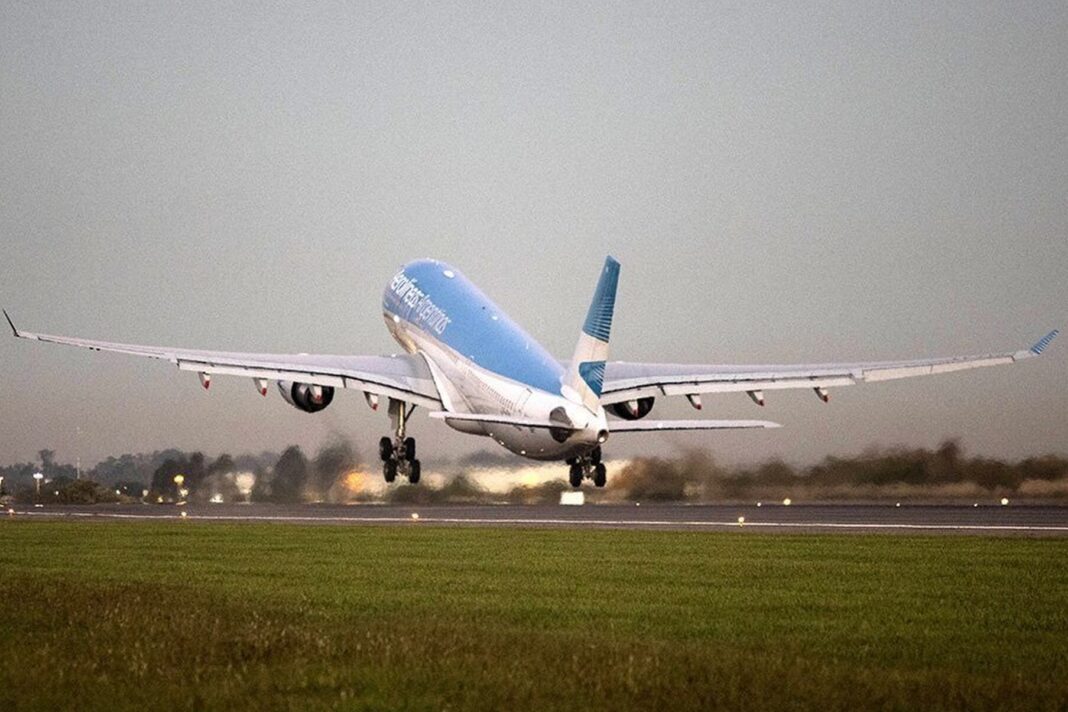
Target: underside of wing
[[625, 381], [405, 377]]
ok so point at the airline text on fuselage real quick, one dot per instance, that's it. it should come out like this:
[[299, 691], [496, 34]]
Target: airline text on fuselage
[[423, 310]]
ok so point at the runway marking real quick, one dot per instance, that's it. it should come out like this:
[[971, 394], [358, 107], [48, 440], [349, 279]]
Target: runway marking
[[424, 519]]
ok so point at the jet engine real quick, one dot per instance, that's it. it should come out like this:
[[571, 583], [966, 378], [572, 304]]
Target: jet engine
[[306, 397], [633, 409]]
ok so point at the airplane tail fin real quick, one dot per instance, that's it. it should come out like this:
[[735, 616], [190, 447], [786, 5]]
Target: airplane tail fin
[[585, 374]]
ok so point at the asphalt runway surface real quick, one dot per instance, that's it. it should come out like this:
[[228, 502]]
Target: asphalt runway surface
[[985, 519]]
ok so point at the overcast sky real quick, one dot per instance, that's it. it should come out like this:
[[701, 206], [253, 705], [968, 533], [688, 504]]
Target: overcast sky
[[793, 182]]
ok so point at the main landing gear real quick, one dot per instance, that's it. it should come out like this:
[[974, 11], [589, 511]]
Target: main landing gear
[[398, 453], [588, 466]]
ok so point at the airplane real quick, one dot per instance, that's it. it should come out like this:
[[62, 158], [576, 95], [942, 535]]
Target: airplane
[[474, 368]]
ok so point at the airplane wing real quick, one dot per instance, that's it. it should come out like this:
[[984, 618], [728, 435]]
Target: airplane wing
[[630, 381], [405, 377]]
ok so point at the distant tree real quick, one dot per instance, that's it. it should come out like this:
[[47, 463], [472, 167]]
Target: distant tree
[[651, 478], [47, 458], [67, 491], [129, 488], [290, 476], [333, 461], [163, 484], [285, 482]]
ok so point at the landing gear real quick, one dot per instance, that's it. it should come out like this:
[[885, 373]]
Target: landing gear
[[398, 453], [577, 474], [587, 466]]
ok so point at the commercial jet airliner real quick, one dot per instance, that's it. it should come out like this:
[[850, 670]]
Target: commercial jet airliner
[[476, 369]]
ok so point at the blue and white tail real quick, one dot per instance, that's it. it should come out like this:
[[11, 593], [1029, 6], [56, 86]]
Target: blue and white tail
[[585, 374]]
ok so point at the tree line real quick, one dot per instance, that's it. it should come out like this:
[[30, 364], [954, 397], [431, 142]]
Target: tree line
[[945, 472]]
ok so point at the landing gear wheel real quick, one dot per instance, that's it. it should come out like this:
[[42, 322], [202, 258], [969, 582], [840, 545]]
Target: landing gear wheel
[[414, 471], [389, 469], [385, 449], [576, 475], [595, 455], [599, 474], [408, 449]]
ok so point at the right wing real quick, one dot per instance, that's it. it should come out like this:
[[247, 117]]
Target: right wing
[[629, 381], [405, 377]]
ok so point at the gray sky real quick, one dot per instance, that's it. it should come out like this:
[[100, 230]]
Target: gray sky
[[793, 182]]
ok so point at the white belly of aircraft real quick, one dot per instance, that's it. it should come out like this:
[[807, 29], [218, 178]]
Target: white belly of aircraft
[[466, 387]]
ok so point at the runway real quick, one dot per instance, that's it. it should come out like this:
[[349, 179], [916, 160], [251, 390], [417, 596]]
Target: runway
[[989, 519]]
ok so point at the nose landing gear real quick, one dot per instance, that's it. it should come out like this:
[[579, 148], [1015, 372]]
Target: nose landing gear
[[588, 466], [398, 453]]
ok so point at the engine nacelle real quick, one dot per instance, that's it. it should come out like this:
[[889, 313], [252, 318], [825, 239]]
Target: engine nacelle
[[633, 409], [306, 397]]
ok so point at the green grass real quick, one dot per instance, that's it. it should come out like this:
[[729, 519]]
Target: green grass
[[213, 616]]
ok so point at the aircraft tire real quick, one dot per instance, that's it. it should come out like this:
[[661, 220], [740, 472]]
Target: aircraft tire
[[414, 472], [389, 470], [599, 475], [576, 476], [409, 449], [385, 449]]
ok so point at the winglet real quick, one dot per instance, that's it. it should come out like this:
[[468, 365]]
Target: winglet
[[11, 324], [1042, 343]]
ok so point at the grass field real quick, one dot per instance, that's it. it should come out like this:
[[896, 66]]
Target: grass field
[[214, 616]]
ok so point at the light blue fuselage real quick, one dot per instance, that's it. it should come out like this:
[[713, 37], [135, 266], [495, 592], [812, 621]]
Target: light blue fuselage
[[482, 361]]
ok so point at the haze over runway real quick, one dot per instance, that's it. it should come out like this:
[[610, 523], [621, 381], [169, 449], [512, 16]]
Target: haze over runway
[[780, 184]]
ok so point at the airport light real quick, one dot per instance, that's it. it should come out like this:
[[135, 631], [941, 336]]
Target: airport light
[[1, 485], [38, 476]]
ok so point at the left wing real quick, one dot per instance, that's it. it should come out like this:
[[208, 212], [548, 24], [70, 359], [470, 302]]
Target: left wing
[[404, 377], [630, 381]]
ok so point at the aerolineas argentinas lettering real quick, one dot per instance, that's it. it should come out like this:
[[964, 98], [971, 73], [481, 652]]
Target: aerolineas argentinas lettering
[[424, 310]]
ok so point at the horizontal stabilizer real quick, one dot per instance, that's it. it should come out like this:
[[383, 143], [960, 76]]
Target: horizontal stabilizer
[[502, 420], [645, 426]]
